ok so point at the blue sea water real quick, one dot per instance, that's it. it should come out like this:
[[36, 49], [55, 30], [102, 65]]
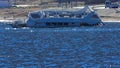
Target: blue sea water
[[75, 47]]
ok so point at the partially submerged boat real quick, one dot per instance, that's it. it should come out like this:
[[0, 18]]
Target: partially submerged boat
[[74, 17]]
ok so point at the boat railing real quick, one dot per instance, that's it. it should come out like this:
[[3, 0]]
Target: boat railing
[[61, 13]]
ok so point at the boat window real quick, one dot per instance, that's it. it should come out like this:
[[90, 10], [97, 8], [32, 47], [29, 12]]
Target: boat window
[[60, 23], [47, 23], [65, 23], [61, 15], [95, 17], [79, 16], [73, 23], [54, 23], [35, 16]]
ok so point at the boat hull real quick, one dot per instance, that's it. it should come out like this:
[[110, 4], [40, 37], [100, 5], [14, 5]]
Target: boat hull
[[63, 22]]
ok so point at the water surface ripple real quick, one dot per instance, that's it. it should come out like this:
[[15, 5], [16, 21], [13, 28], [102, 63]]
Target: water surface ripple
[[79, 47]]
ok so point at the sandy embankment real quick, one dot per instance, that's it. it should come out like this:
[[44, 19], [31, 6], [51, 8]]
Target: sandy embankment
[[107, 15], [110, 19], [13, 13]]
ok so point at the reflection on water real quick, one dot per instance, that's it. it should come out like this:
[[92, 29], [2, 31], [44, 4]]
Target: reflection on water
[[79, 47]]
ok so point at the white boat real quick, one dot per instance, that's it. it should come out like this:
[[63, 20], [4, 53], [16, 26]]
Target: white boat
[[73, 17]]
